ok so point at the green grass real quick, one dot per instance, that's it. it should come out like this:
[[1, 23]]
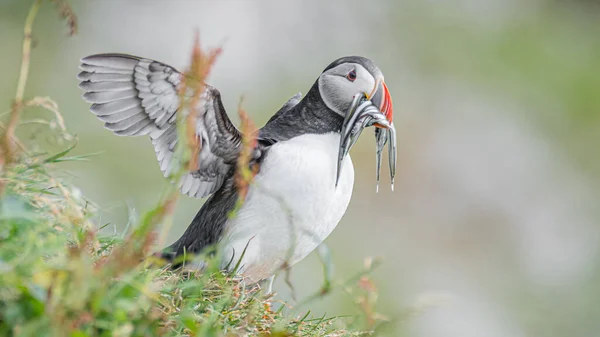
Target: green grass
[[60, 277]]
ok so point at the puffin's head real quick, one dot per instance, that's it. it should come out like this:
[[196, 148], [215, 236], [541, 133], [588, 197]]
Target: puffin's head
[[343, 86], [351, 75]]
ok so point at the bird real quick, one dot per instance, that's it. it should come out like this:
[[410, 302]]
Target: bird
[[304, 180]]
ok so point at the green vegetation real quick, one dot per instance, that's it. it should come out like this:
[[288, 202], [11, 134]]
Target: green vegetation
[[60, 278]]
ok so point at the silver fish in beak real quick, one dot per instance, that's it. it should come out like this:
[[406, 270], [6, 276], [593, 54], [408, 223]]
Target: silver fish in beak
[[364, 113], [388, 136]]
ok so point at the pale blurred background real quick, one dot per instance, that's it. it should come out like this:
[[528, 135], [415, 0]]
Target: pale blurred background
[[497, 108]]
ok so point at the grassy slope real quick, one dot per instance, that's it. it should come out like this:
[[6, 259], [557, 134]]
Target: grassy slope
[[58, 276]]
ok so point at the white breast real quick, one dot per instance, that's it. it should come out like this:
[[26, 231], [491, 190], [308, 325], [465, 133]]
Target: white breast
[[292, 206]]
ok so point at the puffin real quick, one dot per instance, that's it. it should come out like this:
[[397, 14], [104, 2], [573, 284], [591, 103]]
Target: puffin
[[305, 175]]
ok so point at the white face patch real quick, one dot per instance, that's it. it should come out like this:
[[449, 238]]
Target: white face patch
[[338, 91]]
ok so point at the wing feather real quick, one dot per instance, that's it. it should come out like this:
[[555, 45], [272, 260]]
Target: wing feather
[[135, 96]]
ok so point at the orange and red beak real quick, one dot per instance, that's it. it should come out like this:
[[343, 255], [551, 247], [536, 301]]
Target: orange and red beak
[[383, 100]]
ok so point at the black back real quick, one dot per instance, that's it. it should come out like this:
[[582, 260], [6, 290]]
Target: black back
[[310, 115]]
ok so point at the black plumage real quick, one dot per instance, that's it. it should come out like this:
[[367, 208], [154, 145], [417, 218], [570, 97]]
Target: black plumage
[[136, 96]]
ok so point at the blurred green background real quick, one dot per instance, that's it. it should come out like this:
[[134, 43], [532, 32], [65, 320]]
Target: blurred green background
[[497, 204]]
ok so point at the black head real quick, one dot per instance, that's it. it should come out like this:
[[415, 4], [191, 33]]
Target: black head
[[324, 107]]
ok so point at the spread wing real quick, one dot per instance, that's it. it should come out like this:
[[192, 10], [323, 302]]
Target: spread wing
[[135, 96]]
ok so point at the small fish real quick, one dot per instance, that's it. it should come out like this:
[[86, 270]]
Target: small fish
[[361, 114]]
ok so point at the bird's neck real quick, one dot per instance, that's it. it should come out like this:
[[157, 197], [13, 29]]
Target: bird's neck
[[310, 115]]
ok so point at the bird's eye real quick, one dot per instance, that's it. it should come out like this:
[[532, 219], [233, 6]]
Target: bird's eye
[[351, 75]]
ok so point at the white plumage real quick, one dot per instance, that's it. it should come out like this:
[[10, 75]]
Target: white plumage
[[294, 202], [291, 208]]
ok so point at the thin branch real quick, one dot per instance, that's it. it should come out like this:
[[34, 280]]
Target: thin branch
[[14, 139], [189, 147], [66, 12], [50, 105], [23, 75]]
